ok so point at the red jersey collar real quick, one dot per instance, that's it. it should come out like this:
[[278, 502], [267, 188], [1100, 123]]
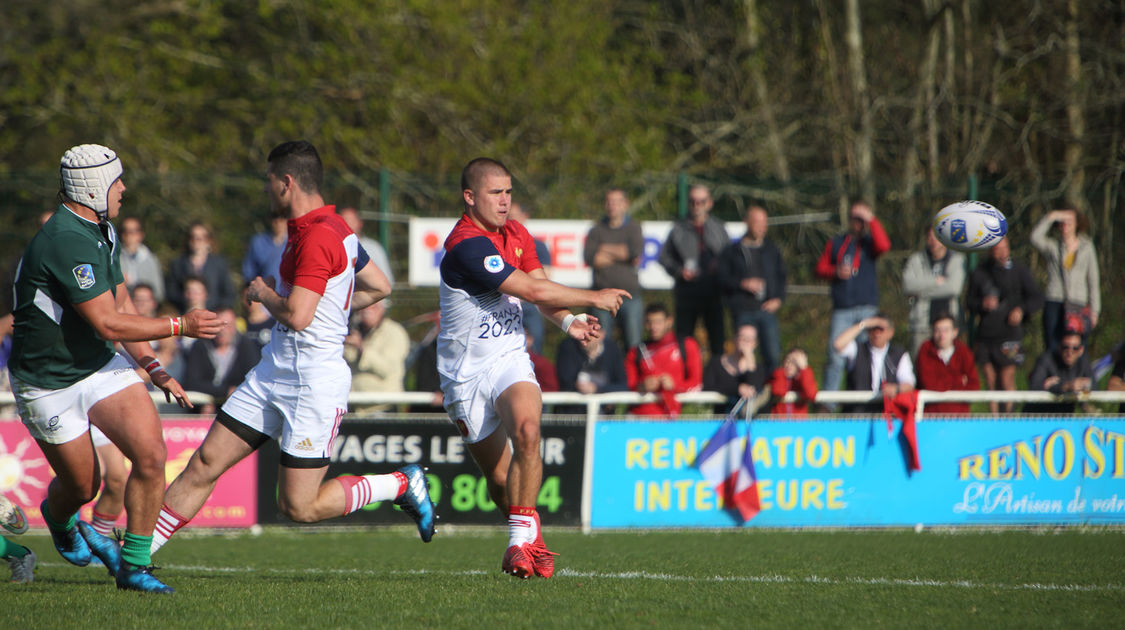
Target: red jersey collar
[[302, 222]]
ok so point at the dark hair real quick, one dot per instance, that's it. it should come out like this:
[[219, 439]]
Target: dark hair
[[477, 168], [142, 285], [198, 224], [656, 307], [943, 315], [298, 159]]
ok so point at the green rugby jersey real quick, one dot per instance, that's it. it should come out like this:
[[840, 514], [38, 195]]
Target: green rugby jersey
[[71, 260]]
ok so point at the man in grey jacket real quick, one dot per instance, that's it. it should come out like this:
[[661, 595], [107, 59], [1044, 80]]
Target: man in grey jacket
[[691, 257], [1073, 280], [933, 278]]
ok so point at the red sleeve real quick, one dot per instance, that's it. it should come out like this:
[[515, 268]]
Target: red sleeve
[[779, 384], [806, 384], [631, 375], [825, 267], [529, 259], [880, 242], [320, 255], [694, 366]]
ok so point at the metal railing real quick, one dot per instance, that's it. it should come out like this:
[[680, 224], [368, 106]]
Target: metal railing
[[594, 402]]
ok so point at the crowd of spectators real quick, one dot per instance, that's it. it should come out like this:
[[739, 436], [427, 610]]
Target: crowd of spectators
[[659, 349]]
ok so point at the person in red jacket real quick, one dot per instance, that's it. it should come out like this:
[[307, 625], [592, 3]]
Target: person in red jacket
[[665, 365], [794, 375], [944, 363]]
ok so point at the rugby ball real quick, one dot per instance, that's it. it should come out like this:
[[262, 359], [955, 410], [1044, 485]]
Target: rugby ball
[[970, 226]]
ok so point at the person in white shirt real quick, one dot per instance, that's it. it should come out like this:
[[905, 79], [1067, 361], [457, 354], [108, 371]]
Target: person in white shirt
[[878, 364]]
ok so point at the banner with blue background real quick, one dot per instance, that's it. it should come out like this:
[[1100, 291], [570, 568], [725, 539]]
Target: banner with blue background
[[831, 473]]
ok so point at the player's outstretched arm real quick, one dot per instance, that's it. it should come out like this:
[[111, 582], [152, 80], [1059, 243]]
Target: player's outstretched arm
[[542, 292], [371, 285], [113, 325]]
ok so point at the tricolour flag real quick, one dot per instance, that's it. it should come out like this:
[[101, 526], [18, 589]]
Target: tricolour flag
[[727, 464]]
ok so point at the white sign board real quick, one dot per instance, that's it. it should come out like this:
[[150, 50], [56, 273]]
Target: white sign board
[[565, 240]]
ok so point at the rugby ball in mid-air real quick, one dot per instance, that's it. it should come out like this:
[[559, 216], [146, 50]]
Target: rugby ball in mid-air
[[970, 225]]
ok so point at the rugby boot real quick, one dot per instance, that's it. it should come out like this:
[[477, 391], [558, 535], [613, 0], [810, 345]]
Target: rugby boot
[[415, 501], [132, 578], [70, 544], [518, 562], [23, 569], [104, 548], [542, 559]]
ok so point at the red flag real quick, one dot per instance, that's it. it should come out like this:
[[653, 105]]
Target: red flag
[[902, 406]]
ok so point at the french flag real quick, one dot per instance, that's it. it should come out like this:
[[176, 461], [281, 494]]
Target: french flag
[[727, 464]]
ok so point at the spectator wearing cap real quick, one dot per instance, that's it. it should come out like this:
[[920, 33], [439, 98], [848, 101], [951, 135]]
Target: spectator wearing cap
[[877, 364]]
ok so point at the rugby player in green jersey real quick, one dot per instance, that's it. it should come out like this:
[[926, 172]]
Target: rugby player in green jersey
[[71, 306]]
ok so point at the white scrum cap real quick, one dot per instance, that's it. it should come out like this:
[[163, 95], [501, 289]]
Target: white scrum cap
[[88, 170]]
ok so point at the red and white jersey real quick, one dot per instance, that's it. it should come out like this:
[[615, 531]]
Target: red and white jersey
[[320, 257], [478, 322]]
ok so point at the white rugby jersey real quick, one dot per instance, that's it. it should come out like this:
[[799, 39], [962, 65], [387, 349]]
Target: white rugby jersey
[[321, 257], [478, 322]]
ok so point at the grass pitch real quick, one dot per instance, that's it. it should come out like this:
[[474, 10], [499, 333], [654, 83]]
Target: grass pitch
[[386, 578]]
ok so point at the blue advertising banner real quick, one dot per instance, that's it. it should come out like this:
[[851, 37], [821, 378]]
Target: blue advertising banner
[[829, 473]]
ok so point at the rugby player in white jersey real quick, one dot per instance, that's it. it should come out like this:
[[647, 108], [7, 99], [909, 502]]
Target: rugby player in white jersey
[[486, 375], [298, 392]]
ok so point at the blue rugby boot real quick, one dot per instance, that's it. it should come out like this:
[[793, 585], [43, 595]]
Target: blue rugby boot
[[131, 578], [415, 500], [104, 548], [69, 543]]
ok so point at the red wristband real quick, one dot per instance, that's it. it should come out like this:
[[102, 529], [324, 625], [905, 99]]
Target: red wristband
[[154, 366], [177, 325]]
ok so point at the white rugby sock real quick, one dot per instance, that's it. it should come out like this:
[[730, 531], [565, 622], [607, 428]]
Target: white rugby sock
[[361, 491], [167, 523], [522, 526], [103, 523]]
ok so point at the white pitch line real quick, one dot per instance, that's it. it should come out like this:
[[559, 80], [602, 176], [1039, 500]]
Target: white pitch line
[[664, 577]]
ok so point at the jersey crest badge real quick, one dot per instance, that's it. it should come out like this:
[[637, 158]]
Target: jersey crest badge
[[84, 274], [494, 263], [519, 252]]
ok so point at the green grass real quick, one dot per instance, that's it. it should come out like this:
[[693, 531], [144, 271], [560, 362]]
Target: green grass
[[289, 578]]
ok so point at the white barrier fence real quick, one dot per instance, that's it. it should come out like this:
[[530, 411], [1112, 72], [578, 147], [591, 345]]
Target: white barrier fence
[[593, 402]]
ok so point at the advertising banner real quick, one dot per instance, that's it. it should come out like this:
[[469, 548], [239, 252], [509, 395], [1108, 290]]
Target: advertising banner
[[565, 240], [851, 473], [459, 492], [24, 475]]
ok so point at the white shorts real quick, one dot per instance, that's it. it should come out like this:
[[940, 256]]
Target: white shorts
[[97, 437], [304, 419], [472, 404], [57, 416]]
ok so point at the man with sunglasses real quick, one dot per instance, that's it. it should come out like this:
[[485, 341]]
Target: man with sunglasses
[[1065, 370]]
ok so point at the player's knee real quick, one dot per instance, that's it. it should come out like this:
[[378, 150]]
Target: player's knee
[[526, 438], [295, 512], [114, 479], [149, 462]]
